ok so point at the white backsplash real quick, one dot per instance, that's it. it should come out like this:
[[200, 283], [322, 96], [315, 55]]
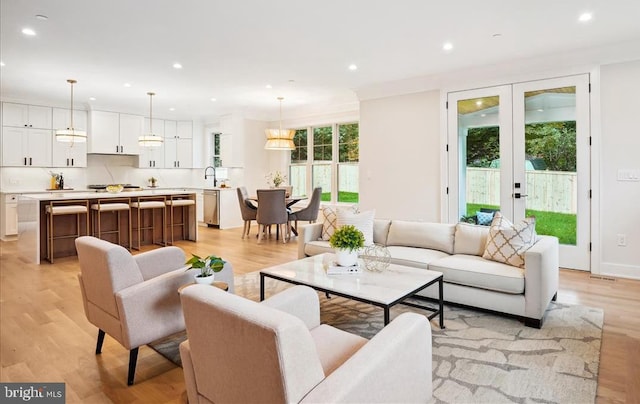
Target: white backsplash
[[107, 169]]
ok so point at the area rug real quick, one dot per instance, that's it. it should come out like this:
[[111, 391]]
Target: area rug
[[479, 357]]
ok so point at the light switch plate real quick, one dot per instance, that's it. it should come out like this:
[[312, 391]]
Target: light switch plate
[[628, 174]]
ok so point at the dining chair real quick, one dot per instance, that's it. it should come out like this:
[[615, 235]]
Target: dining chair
[[310, 212], [272, 209], [247, 209]]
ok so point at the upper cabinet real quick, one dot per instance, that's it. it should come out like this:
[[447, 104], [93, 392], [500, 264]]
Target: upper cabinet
[[232, 141], [114, 133], [26, 116], [69, 154], [26, 135], [184, 130]]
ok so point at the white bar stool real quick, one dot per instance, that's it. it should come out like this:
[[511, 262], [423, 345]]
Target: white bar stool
[[182, 201], [114, 205], [149, 203], [61, 208]]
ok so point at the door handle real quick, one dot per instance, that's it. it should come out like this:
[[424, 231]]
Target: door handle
[[518, 195]]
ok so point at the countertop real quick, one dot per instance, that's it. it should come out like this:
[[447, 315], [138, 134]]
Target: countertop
[[86, 190], [58, 195]]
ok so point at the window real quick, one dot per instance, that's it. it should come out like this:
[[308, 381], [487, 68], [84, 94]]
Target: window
[[332, 164], [215, 152]]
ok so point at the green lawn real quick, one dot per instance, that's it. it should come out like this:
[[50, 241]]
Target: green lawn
[[348, 197], [561, 225]]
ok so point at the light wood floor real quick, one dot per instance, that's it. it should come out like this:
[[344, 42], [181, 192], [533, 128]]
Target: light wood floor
[[45, 337]]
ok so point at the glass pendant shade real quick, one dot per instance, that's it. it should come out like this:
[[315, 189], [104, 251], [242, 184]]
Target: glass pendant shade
[[71, 134], [150, 139], [280, 139]]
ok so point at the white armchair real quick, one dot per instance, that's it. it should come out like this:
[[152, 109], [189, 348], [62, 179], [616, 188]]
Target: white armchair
[[278, 352], [134, 299]]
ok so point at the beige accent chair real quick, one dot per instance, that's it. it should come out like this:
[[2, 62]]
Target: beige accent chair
[[134, 299], [240, 351], [247, 209], [272, 209]]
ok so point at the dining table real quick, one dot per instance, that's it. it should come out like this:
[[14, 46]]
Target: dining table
[[289, 201]]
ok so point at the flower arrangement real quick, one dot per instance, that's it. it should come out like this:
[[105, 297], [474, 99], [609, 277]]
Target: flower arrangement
[[276, 178], [152, 181], [347, 237], [207, 265]]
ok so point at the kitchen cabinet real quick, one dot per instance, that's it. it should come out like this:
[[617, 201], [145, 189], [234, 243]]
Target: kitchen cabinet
[[151, 157], [232, 141], [9, 214], [26, 147], [69, 154], [178, 153], [231, 150], [114, 133], [184, 129], [26, 116]]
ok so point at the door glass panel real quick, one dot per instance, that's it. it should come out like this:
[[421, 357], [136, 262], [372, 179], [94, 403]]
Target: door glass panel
[[348, 158], [479, 146], [550, 161]]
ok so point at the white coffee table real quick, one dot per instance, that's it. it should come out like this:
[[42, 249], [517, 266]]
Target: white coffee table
[[383, 289]]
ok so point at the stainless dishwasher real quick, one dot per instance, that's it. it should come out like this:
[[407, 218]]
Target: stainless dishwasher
[[211, 199]]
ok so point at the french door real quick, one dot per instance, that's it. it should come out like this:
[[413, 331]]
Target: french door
[[523, 149]]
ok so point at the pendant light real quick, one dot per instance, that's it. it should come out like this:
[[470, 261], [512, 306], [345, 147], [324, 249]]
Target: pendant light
[[71, 134], [280, 139], [150, 139]]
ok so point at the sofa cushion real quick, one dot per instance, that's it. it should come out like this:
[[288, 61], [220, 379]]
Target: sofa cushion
[[329, 219], [436, 236], [362, 221], [381, 230], [414, 257], [484, 218], [470, 239], [507, 242], [471, 270], [317, 247]]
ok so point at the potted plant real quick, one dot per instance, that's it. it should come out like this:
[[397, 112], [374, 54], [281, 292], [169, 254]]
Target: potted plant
[[346, 241], [208, 266], [152, 182]]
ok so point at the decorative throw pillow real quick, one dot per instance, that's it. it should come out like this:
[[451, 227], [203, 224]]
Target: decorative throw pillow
[[507, 242], [329, 217], [484, 218], [362, 221]]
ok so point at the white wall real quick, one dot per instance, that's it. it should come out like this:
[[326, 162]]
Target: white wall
[[400, 151], [620, 149]]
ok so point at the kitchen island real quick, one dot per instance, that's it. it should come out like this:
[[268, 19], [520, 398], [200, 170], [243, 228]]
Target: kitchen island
[[32, 220]]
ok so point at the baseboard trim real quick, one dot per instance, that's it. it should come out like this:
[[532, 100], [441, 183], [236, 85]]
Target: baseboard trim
[[620, 270]]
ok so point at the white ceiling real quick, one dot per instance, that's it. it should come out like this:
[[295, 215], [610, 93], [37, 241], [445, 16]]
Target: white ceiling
[[231, 50]]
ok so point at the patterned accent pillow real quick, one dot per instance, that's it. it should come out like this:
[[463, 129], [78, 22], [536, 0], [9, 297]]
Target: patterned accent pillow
[[507, 242], [484, 218], [329, 216], [329, 222]]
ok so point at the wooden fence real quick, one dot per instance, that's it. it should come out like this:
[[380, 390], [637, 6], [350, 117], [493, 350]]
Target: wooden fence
[[549, 191]]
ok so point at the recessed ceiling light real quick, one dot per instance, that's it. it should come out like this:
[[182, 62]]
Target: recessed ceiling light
[[584, 17], [42, 17], [177, 66], [214, 100], [127, 85], [353, 67], [92, 98], [172, 109], [1, 64], [268, 86], [447, 46], [28, 32]]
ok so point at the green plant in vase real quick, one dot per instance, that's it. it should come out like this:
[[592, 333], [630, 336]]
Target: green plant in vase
[[208, 266], [346, 241]]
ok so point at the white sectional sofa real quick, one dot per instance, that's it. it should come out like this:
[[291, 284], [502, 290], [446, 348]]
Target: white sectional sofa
[[456, 250]]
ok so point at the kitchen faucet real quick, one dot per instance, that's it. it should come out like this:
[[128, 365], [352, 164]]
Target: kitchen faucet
[[215, 180]]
